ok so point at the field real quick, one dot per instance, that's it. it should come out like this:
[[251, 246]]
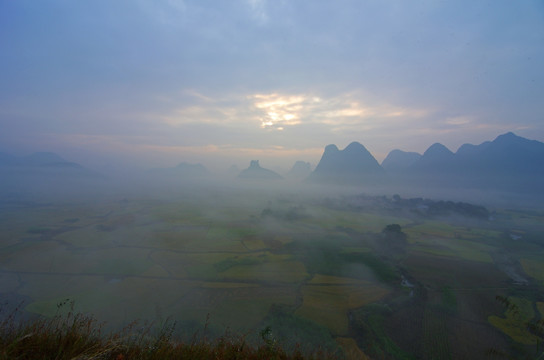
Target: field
[[318, 273]]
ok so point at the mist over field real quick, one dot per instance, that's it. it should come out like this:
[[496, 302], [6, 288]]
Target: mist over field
[[355, 269]]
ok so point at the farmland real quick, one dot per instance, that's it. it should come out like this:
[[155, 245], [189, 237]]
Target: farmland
[[314, 270]]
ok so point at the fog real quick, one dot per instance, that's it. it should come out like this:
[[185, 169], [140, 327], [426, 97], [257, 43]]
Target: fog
[[206, 163], [314, 262], [65, 185]]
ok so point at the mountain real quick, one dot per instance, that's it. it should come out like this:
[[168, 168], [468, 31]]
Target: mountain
[[507, 154], [46, 159], [44, 173], [398, 160], [255, 171], [437, 158], [37, 160], [300, 170], [353, 165], [509, 162]]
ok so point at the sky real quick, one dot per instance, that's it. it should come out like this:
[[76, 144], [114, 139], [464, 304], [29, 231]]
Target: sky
[[148, 84]]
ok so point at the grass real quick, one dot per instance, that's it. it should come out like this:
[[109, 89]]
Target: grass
[[533, 268], [435, 334], [449, 300], [540, 307], [351, 349], [295, 332], [272, 272], [514, 324], [328, 304], [370, 320], [326, 257], [451, 242], [383, 271], [70, 335], [173, 259], [360, 221]]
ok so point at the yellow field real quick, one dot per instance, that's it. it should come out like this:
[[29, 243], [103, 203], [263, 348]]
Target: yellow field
[[185, 237], [351, 350], [284, 271], [245, 308], [533, 268], [39, 256], [253, 243], [359, 221], [452, 247], [540, 308], [328, 300], [514, 324], [89, 237]]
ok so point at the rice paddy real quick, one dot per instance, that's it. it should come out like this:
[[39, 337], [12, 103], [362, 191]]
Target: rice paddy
[[149, 260]]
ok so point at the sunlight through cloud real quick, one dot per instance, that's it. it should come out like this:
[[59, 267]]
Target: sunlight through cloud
[[278, 110]]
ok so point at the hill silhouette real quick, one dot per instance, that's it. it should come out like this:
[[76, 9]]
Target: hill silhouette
[[44, 172], [436, 158], [509, 162], [37, 160], [300, 170], [353, 165], [398, 160], [255, 171]]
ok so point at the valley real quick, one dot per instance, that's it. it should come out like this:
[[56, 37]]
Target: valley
[[318, 271]]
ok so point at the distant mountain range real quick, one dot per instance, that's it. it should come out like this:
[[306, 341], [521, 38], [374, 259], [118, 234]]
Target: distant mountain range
[[43, 172], [509, 162], [36, 160]]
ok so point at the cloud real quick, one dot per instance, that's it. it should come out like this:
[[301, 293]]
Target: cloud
[[259, 73], [278, 110], [281, 111], [343, 110], [258, 11], [198, 108], [459, 120], [165, 12]]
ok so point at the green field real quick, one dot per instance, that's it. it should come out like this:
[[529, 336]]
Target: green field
[[324, 269]]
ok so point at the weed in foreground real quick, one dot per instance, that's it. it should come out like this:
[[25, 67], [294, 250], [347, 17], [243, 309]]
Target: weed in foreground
[[74, 335]]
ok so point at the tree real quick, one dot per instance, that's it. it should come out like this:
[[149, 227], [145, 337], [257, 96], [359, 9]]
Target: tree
[[393, 229], [394, 240]]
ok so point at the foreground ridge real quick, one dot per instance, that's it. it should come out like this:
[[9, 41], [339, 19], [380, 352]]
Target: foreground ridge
[[76, 335]]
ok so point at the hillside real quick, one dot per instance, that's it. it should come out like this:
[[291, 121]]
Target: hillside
[[508, 163], [352, 165], [256, 172]]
